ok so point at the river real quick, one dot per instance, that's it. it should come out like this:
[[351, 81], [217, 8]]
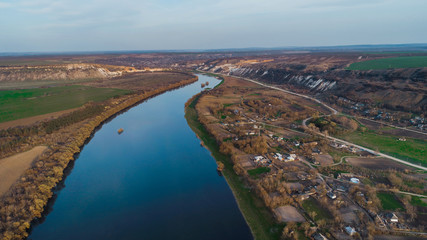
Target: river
[[153, 181]]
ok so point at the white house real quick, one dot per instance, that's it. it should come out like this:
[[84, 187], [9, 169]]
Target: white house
[[291, 157], [350, 230], [331, 195], [355, 180], [391, 217], [279, 156]]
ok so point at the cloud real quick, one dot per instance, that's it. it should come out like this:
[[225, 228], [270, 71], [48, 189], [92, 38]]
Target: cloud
[[165, 24], [5, 5]]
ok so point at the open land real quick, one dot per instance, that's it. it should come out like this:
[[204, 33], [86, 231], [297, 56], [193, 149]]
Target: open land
[[376, 163], [272, 159], [394, 62], [17, 104], [13, 167], [288, 214], [414, 150]]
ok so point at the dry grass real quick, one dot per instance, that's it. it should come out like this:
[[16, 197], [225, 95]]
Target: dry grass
[[324, 159], [13, 167], [145, 81], [288, 213]]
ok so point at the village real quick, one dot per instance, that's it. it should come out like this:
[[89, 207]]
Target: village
[[302, 177], [367, 111]]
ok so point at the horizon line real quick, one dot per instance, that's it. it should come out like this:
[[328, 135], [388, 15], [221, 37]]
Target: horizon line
[[422, 46]]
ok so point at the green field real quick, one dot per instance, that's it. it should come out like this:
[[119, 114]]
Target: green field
[[390, 63], [257, 171], [417, 201], [389, 201], [413, 150], [311, 205], [17, 104]]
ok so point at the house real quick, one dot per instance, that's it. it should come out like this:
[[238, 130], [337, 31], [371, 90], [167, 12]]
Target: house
[[354, 180], [291, 157], [316, 151], [319, 236], [342, 188], [258, 158], [350, 230], [392, 218], [331, 195], [278, 156]]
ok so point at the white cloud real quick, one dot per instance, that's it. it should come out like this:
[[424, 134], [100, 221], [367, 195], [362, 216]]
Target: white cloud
[[161, 24]]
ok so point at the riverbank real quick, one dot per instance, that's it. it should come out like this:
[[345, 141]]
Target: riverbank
[[256, 214], [27, 199]]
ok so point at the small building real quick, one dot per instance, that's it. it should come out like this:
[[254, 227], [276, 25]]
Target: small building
[[291, 157], [354, 180], [258, 158], [319, 236], [278, 156], [316, 151], [392, 218], [331, 195], [342, 188], [350, 230]]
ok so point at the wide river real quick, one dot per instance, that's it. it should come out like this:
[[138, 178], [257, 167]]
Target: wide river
[[154, 181]]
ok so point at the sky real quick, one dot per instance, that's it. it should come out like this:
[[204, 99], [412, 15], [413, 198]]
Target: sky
[[111, 25]]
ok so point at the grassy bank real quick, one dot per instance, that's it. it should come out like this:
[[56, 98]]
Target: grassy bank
[[258, 217]]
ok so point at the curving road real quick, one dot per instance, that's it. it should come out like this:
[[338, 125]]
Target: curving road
[[333, 111]]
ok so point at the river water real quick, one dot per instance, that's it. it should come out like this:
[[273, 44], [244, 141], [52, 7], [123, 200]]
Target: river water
[[154, 181]]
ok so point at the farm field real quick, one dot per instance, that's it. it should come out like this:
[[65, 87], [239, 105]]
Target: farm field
[[390, 63], [375, 126], [311, 205], [376, 163], [17, 104], [389, 201], [413, 150], [13, 85], [144, 81]]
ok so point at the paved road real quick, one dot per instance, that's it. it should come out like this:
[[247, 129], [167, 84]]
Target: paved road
[[333, 111], [375, 152]]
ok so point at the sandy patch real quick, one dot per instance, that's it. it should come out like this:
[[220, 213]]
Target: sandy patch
[[11, 168], [288, 214], [324, 159]]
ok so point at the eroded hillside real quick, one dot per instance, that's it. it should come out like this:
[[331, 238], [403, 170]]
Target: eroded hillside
[[326, 76]]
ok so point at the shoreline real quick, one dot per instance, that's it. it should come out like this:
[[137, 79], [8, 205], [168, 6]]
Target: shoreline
[[62, 157], [244, 201]]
